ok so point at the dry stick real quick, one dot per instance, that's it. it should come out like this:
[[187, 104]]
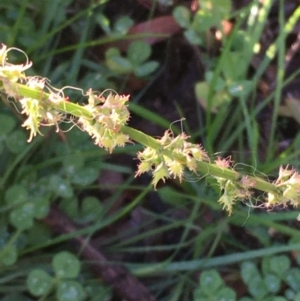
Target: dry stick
[[118, 277], [292, 51]]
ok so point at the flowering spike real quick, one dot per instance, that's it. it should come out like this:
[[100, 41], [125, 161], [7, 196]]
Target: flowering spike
[[105, 119]]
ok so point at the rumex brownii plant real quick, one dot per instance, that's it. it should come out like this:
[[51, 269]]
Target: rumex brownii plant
[[105, 119]]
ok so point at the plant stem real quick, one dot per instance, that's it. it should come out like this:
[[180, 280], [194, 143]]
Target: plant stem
[[77, 110]]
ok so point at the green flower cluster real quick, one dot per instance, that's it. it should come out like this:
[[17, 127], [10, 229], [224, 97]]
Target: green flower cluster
[[288, 184], [103, 118], [171, 158], [233, 190], [39, 110], [11, 72], [109, 115]]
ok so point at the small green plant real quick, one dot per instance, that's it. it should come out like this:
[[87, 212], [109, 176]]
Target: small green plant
[[212, 288], [119, 29], [135, 62], [274, 280], [66, 268], [105, 120], [210, 14]]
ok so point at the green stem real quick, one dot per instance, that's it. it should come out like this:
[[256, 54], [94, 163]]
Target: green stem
[[203, 167], [140, 137]]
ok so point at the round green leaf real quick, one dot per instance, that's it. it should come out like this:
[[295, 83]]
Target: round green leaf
[[16, 141], [249, 271], [210, 282], [70, 206], [279, 264], [9, 255], [119, 64], [91, 209], [257, 288], [122, 26], [297, 297], [265, 265], [66, 265], [138, 52], [16, 194], [220, 99], [220, 9], [220, 83], [229, 69], [73, 164], [204, 20], [39, 282], [7, 123], [22, 217], [225, 294], [27, 174], [41, 187], [85, 176], [273, 283], [240, 41], [146, 69], [183, 16], [41, 206], [290, 294], [60, 186], [112, 52], [69, 291], [193, 37], [292, 278]]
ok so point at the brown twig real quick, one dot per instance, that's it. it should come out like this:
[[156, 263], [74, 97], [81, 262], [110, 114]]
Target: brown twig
[[118, 277], [292, 51]]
